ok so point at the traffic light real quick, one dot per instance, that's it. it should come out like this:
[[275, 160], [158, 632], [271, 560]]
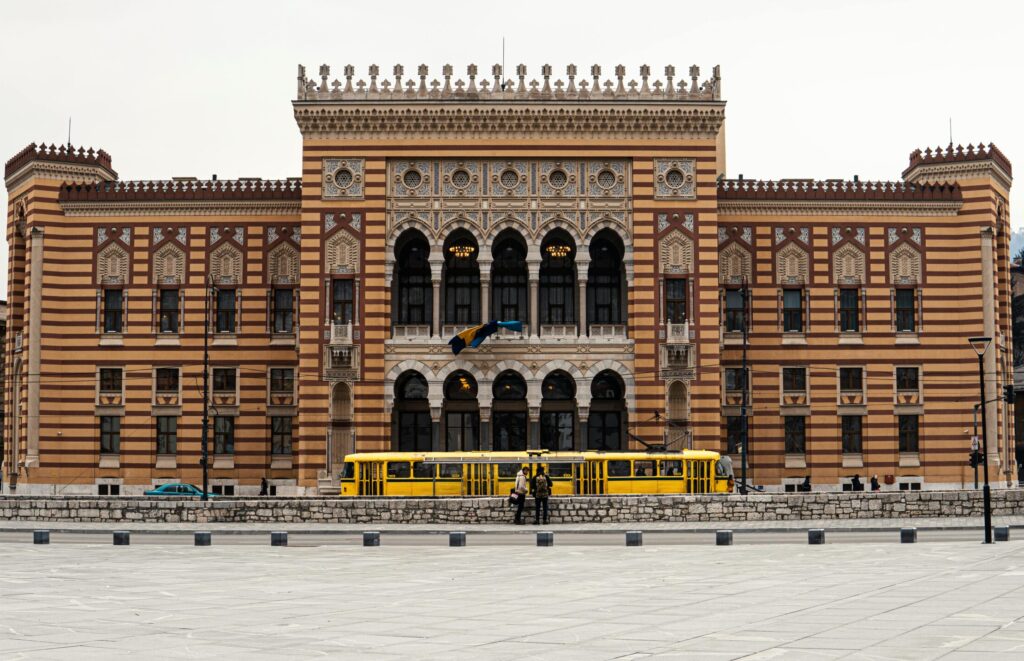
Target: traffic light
[[1008, 395], [972, 459]]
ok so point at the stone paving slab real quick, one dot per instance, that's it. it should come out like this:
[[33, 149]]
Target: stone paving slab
[[835, 525], [868, 601]]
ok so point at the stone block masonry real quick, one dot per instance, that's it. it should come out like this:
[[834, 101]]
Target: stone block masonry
[[564, 509]]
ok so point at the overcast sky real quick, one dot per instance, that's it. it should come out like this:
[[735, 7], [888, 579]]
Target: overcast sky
[[814, 89]]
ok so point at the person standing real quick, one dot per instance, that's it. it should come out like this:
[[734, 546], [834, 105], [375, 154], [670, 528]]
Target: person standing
[[856, 484], [264, 489], [875, 486], [522, 480], [541, 490]]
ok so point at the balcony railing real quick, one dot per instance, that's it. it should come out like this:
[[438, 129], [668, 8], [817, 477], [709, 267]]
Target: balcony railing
[[677, 361], [677, 333], [558, 330], [609, 331], [341, 363], [341, 333], [411, 331]]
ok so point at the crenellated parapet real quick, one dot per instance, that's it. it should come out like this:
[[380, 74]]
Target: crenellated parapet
[[61, 162], [55, 153], [188, 197], [807, 196], [519, 107], [509, 90], [952, 163]]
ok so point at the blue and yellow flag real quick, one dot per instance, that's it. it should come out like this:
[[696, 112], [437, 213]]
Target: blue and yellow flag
[[473, 337]]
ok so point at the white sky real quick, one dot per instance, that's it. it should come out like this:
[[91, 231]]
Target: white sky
[[814, 89]]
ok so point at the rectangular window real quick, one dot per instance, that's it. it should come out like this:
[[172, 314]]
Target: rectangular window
[[675, 300], [792, 310], [852, 443], [796, 434], [281, 435], [733, 433], [794, 379], [169, 311], [341, 301], [284, 299], [735, 378], [907, 379], [110, 434], [167, 380], [225, 310], [735, 310], [113, 310], [223, 435], [224, 379], [110, 380], [166, 434], [906, 311], [282, 380], [851, 379], [908, 433], [849, 310]]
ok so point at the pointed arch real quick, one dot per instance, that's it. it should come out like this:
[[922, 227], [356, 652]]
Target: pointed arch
[[342, 253], [226, 264], [283, 264], [558, 223], [791, 265], [905, 265], [677, 405], [169, 265], [112, 265], [848, 265], [624, 373], [676, 253], [734, 264]]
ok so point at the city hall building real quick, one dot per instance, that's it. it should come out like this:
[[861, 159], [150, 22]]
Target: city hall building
[[818, 327]]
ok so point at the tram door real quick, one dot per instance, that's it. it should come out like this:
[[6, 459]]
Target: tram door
[[593, 477], [478, 480], [371, 479]]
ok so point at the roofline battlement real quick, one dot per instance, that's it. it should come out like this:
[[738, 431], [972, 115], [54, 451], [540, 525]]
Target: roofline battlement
[[508, 90], [960, 154], [239, 190], [837, 190], [58, 154]]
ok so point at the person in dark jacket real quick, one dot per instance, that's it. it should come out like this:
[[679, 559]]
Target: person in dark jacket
[[875, 486], [264, 489], [856, 484], [806, 486], [541, 488]]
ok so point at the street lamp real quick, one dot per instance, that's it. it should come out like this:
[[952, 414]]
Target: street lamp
[[980, 346]]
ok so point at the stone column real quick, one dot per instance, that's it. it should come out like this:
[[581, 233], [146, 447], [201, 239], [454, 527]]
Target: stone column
[[988, 301], [436, 442], [533, 442], [355, 302], [583, 414], [582, 274], [486, 443], [485, 292], [533, 271], [436, 267], [35, 311]]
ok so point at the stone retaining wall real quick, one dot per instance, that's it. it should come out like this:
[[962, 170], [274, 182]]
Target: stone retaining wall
[[564, 509]]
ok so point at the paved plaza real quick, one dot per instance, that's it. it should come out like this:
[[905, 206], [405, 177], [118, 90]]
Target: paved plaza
[[950, 600]]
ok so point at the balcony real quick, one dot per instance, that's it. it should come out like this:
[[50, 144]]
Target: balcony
[[341, 334], [608, 331], [558, 331], [677, 333], [341, 363], [677, 361], [418, 332]]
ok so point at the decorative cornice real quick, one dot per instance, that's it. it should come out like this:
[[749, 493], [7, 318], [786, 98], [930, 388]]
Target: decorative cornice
[[507, 91], [60, 154], [182, 208], [960, 155], [836, 208], [240, 190], [808, 190], [63, 172]]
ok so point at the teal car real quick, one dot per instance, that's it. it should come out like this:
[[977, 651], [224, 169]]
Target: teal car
[[179, 490]]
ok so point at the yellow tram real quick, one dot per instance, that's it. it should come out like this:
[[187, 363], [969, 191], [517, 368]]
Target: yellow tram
[[427, 474]]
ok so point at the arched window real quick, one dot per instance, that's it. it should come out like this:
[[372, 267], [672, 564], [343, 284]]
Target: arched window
[[509, 279], [412, 429], [461, 280], [558, 412], [509, 418], [461, 413], [557, 279], [605, 280], [414, 298], [606, 424]]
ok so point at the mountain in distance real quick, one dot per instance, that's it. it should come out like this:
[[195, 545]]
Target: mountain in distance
[[1016, 242]]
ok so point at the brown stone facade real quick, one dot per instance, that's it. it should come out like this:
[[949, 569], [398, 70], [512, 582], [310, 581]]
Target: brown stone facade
[[598, 212]]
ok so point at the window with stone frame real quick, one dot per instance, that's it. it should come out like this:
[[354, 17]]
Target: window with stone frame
[[167, 379], [734, 432], [225, 379], [735, 310], [908, 431], [113, 310], [675, 300], [849, 310], [796, 434], [341, 300], [851, 379], [226, 312], [794, 380], [906, 310], [110, 434], [908, 379], [224, 434], [851, 433], [166, 434], [281, 435], [169, 311], [282, 380], [284, 310], [793, 310], [111, 380]]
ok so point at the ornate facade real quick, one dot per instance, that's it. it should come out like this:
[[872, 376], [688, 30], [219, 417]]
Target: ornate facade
[[597, 212]]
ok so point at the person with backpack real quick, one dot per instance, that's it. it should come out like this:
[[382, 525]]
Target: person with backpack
[[541, 490], [519, 492]]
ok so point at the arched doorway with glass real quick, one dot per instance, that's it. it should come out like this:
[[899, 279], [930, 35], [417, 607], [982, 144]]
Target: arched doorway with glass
[[510, 279], [342, 439], [412, 301], [410, 419], [558, 284], [461, 295], [606, 280], [558, 412], [606, 425], [461, 413], [509, 413]]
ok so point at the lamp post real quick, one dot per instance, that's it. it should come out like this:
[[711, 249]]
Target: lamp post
[[980, 346]]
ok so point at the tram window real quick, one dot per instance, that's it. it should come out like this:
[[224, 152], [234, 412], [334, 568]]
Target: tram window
[[618, 469], [643, 468], [420, 469], [508, 470], [450, 470], [348, 470], [671, 467], [399, 469], [560, 470]]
